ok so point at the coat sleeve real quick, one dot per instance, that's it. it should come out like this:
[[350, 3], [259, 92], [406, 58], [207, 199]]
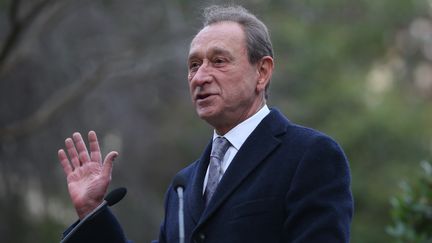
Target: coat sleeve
[[103, 227], [319, 202]]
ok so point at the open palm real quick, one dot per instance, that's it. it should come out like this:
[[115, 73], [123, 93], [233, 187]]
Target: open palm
[[87, 176]]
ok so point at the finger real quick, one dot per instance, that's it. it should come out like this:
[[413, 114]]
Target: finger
[[67, 167], [108, 164], [95, 153], [72, 152], [81, 148]]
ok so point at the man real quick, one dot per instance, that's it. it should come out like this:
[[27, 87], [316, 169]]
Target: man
[[260, 179]]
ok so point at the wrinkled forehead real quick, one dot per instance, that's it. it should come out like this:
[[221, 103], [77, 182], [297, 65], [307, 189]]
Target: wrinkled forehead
[[221, 35]]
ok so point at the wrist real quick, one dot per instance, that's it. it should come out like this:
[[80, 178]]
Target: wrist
[[84, 210]]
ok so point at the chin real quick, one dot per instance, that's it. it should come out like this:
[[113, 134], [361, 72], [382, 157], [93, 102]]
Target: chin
[[206, 113]]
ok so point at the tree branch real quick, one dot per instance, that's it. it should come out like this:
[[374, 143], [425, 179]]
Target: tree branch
[[118, 67], [54, 104], [13, 12], [17, 28]]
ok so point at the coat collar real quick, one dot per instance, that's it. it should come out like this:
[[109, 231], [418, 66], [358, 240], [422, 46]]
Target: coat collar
[[262, 141]]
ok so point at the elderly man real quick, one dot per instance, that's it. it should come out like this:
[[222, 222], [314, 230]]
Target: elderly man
[[260, 179]]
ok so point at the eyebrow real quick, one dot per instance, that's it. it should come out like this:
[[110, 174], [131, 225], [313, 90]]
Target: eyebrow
[[220, 51], [213, 51]]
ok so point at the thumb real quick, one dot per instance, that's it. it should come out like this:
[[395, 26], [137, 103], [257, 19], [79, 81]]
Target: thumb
[[108, 164]]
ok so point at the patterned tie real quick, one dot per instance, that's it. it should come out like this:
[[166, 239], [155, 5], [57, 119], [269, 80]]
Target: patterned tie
[[220, 146]]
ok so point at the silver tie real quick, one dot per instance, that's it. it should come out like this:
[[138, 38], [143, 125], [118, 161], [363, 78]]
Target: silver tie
[[220, 146]]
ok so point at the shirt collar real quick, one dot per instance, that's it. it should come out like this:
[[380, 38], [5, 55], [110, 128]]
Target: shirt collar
[[238, 135]]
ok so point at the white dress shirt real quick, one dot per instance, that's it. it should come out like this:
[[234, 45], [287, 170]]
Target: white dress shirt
[[237, 136]]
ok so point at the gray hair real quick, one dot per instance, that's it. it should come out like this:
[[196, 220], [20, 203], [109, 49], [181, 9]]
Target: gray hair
[[257, 37]]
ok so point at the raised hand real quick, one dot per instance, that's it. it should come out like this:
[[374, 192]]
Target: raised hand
[[87, 176]]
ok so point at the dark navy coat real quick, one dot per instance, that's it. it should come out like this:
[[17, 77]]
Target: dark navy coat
[[287, 183]]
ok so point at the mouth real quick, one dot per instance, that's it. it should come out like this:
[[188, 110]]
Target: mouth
[[203, 96]]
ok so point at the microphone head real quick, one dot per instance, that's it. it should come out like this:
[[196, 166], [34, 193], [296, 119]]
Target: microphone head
[[115, 196], [179, 181]]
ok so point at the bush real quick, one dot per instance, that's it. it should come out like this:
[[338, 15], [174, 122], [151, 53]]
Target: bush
[[412, 210]]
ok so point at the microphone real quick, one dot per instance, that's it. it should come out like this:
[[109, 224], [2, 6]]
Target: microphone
[[112, 198], [179, 185], [115, 196]]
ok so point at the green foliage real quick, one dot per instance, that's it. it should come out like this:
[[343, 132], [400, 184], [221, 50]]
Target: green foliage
[[412, 210]]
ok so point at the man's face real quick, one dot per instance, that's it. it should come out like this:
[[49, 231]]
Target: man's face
[[223, 84]]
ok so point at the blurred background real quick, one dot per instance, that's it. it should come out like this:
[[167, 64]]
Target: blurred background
[[359, 70]]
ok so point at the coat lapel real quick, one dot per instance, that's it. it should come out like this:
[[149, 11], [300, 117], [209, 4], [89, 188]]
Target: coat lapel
[[195, 200], [256, 148]]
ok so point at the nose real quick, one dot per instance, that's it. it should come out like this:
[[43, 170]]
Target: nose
[[202, 75]]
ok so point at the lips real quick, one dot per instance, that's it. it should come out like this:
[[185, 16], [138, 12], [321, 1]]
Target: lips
[[202, 96]]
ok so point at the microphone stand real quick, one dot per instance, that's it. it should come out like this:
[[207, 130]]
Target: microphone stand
[[181, 214], [112, 198]]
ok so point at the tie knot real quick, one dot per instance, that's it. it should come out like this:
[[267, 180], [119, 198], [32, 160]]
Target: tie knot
[[220, 146]]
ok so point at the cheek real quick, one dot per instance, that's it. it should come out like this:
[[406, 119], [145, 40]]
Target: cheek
[[245, 86], [189, 81], [234, 93], [190, 84]]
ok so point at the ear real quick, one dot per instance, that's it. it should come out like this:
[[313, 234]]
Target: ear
[[265, 71]]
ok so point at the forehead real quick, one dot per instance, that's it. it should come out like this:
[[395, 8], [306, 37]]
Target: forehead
[[228, 36]]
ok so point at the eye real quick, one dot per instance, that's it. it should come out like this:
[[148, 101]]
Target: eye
[[193, 66], [219, 61]]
